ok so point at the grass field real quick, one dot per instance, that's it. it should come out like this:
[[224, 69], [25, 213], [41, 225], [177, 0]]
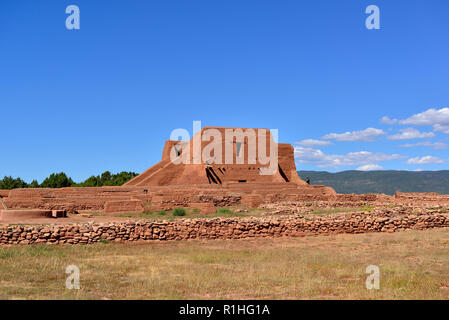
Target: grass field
[[413, 265]]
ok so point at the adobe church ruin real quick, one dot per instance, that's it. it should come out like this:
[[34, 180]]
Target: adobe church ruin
[[233, 176], [237, 157]]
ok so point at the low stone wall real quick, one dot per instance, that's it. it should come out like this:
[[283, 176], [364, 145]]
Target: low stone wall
[[217, 228], [422, 196]]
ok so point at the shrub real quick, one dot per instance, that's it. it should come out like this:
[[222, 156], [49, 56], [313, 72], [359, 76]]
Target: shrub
[[367, 208], [178, 212], [161, 213]]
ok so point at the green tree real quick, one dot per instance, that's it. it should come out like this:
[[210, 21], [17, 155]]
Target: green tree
[[57, 180], [122, 177], [11, 183], [106, 178], [33, 184], [60, 180], [92, 181]]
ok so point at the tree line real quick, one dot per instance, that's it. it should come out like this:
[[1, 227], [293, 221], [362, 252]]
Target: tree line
[[61, 180]]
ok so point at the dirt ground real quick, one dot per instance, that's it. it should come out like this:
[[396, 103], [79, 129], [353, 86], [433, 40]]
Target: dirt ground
[[276, 209]]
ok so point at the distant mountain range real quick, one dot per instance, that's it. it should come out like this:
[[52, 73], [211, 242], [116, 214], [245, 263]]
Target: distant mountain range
[[382, 181]]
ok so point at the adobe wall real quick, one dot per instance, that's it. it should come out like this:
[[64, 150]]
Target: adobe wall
[[218, 228], [287, 163], [4, 193], [132, 199], [69, 199], [133, 205], [13, 215]]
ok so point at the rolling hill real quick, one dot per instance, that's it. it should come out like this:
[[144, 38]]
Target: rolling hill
[[382, 181]]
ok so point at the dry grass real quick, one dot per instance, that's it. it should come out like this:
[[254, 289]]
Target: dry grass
[[413, 265]]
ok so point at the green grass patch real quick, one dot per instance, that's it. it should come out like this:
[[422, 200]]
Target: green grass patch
[[148, 214], [224, 210], [31, 251], [179, 212]]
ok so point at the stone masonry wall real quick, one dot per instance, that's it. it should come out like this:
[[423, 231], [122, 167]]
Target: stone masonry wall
[[217, 228]]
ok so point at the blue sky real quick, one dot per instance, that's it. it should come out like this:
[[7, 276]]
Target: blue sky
[[107, 96]]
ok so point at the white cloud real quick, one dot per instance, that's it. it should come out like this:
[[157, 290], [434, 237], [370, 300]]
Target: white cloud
[[368, 134], [411, 133], [435, 145], [437, 118], [370, 167], [425, 160], [314, 142], [320, 159], [387, 120]]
